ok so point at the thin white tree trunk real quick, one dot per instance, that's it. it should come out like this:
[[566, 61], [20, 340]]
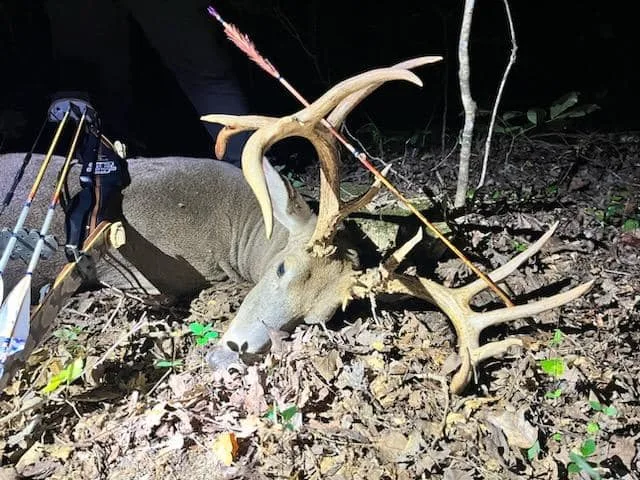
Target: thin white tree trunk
[[464, 74]]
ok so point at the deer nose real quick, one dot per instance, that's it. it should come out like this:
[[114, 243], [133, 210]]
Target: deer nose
[[221, 358]]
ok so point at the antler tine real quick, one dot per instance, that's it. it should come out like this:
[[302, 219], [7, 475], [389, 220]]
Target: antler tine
[[305, 123], [509, 267], [233, 125], [454, 302], [333, 211], [327, 102], [345, 107]]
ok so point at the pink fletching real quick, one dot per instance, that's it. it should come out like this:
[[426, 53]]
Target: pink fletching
[[244, 43]]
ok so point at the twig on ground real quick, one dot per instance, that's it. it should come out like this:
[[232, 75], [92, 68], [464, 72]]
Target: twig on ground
[[137, 326], [113, 314]]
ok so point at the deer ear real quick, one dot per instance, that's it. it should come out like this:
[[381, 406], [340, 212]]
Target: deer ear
[[289, 208]]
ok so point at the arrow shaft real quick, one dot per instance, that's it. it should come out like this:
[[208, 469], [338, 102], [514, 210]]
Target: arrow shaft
[[27, 204], [35, 257], [243, 42]]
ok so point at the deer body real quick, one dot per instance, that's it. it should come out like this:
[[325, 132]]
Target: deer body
[[190, 222]]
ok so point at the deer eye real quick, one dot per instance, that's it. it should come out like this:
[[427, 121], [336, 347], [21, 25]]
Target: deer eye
[[280, 270]]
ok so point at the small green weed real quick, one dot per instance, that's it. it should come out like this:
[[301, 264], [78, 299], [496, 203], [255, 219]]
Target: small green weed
[[609, 411], [168, 363], [70, 373], [630, 224], [553, 366], [516, 123], [558, 337], [519, 246], [283, 417], [579, 462], [553, 394], [614, 212], [69, 338], [533, 451], [203, 333]]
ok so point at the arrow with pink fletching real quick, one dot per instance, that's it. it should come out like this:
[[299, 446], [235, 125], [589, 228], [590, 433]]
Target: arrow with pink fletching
[[244, 43]]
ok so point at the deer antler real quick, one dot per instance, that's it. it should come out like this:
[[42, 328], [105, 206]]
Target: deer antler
[[332, 210], [234, 124], [454, 302], [306, 123], [339, 100]]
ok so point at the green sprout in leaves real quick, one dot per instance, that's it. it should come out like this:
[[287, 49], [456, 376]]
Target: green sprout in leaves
[[580, 464], [471, 193], [579, 460], [519, 246], [558, 337], [553, 366], [70, 373], [284, 417], [551, 190], [168, 363], [609, 411], [588, 447], [516, 123], [203, 333], [557, 436], [533, 451], [552, 395], [630, 224], [593, 428], [67, 334]]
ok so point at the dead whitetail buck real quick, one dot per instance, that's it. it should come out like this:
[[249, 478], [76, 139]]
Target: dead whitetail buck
[[187, 221]]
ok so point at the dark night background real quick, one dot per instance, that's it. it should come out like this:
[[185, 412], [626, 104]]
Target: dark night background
[[563, 45]]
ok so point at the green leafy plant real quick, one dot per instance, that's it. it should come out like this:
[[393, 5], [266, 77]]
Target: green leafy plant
[[631, 224], [614, 212], [69, 338], [553, 366], [67, 333], [558, 337], [579, 462], [168, 363], [533, 451], [610, 411], [516, 123], [203, 333], [553, 394], [551, 190], [70, 373], [593, 428], [519, 246], [282, 417]]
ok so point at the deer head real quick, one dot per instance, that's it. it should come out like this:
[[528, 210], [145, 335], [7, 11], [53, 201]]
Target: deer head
[[313, 276]]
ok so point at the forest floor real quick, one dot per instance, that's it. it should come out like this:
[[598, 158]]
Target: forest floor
[[368, 398]]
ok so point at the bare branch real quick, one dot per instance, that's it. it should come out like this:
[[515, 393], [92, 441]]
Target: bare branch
[[494, 112]]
